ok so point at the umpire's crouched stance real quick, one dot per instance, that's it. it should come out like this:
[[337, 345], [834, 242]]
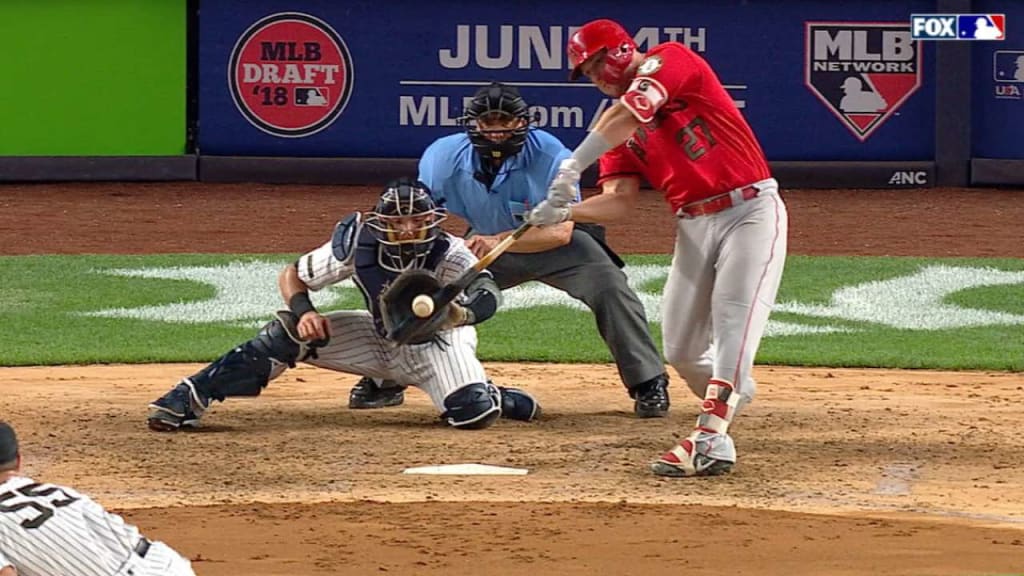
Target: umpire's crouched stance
[[400, 235]]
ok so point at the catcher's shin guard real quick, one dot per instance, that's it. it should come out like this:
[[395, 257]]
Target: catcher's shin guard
[[473, 407], [246, 369]]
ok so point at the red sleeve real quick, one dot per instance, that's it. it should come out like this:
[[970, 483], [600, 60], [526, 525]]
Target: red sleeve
[[617, 163], [668, 71]]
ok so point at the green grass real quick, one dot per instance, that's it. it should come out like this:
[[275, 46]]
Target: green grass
[[44, 302]]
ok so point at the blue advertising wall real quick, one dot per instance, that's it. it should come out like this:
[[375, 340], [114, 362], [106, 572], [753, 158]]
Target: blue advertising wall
[[998, 87], [409, 65]]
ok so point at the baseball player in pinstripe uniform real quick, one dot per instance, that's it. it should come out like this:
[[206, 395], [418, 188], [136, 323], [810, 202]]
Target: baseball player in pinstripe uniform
[[50, 530], [402, 233]]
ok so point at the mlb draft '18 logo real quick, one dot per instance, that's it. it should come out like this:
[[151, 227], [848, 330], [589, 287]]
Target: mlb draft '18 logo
[[862, 71], [290, 74]]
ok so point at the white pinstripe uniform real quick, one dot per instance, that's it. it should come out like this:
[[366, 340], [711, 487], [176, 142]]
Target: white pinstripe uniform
[[49, 530], [356, 346]]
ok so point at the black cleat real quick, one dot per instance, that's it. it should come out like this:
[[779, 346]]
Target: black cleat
[[518, 405], [367, 395], [182, 406]]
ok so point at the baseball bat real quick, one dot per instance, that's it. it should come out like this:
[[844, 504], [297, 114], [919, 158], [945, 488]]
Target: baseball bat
[[449, 292]]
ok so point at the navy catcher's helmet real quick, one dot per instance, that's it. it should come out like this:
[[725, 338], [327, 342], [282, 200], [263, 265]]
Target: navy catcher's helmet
[[405, 221], [497, 103]]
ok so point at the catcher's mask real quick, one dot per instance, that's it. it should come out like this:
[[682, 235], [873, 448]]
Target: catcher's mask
[[497, 120], [405, 221]]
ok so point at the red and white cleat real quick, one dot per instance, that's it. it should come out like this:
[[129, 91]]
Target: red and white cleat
[[701, 454]]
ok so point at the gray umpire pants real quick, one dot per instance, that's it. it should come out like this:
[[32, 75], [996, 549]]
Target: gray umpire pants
[[584, 270]]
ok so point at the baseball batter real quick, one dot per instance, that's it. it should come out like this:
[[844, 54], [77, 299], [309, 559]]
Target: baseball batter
[[401, 234], [675, 126], [50, 530]]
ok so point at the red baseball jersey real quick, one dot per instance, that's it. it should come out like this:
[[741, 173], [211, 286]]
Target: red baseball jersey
[[694, 142]]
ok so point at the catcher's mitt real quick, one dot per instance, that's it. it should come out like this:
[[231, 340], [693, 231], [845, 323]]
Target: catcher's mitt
[[402, 325]]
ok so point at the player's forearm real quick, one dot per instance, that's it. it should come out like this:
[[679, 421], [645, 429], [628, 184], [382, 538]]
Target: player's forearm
[[615, 126], [606, 207], [483, 298], [294, 291], [8, 571], [543, 239], [289, 284]]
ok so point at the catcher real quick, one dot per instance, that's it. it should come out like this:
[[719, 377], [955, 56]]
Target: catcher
[[394, 253]]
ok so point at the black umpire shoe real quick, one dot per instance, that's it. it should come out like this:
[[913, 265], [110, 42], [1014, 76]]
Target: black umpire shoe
[[651, 397], [366, 394]]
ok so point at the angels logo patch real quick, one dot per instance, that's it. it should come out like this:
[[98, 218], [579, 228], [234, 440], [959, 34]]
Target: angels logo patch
[[862, 71], [290, 74]]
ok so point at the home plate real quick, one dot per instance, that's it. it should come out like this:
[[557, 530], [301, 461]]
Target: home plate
[[467, 470]]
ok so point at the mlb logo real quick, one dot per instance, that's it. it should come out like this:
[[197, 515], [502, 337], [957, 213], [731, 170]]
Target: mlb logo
[[1008, 66], [982, 26], [309, 96]]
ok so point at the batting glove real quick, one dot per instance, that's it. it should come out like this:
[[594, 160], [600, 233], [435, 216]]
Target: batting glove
[[547, 213], [565, 187]]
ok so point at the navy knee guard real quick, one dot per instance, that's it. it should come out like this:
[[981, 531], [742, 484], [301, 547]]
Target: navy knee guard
[[473, 407], [246, 370], [518, 405]]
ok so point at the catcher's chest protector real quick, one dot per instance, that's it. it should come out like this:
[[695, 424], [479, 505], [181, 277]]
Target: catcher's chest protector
[[372, 278]]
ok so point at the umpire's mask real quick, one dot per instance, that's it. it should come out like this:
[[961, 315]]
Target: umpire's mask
[[497, 120], [405, 221]]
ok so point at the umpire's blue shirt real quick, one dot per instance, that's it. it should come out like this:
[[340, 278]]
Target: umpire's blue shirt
[[448, 166]]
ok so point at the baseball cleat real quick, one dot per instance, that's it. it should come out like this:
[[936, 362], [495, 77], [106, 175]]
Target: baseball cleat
[[651, 397], [518, 405], [180, 407], [367, 395], [692, 457]]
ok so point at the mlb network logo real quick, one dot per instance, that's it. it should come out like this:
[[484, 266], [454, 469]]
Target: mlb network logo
[[958, 26]]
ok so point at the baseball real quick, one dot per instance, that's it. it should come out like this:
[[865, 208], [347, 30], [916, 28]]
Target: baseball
[[422, 306]]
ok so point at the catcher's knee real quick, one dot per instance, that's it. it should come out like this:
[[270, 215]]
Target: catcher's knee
[[246, 370], [279, 339], [473, 407]]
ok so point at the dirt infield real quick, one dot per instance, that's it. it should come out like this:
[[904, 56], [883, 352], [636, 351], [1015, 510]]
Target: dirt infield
[[841, 471]]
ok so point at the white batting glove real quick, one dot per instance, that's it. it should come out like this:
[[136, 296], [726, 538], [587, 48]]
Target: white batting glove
[[547, 213], [561, 192], [570, 168], [565, 186]]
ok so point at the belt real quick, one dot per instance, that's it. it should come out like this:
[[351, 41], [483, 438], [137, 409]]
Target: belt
[[719, 202], [142, 547]]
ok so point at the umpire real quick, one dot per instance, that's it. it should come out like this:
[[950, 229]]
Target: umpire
[[492, 175]]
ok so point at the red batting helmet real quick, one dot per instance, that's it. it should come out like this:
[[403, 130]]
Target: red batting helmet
[[602, 36]]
